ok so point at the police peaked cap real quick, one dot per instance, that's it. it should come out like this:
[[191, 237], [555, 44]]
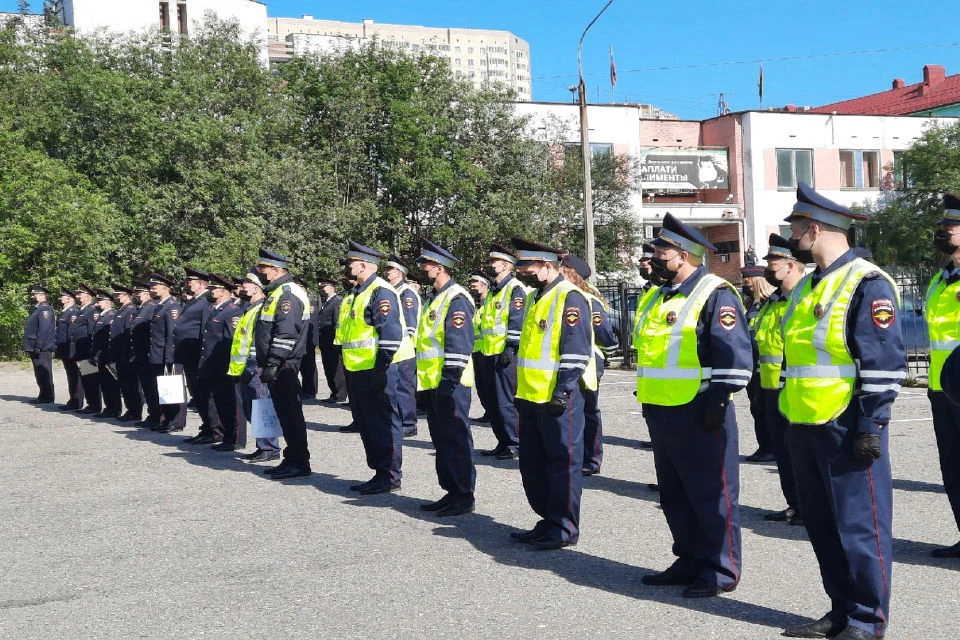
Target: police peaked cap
[[530, 251], [159, 279], [396, 263], [356, 251], [140, 285], [236, 280], [219, 281], [85, 288], [647, 251], [751, 272], [476, 275], [811, 205], [253, 277], [779, 248], [952, 205], [435, 253], [500, 252], [273, 259], [680, 236], [117, 289], [102, 294], [196, 274], [327, 281], [577, 264], [68, 292], [37, 288]]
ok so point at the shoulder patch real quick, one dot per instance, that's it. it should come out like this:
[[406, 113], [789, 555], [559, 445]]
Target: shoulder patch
[[597, 319], [883, 311], [458, 318], [174, 313], [234, 321], [45, 313], [408, 302], [571, 315], [73, 318], [384, 307], [286, 306], [727, 317], [96, 317], [518, 302], [313, 309]]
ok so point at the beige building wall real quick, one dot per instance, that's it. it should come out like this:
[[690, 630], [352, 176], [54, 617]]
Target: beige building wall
[[485, 57]]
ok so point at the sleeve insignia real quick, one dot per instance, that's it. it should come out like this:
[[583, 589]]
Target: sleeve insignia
[[518, 302], [883, 312], [96, 317], [174, 313], [73, 319], [45, 313], [384, 307], [433, 316], [313, 309], [597, 319], [234, 321], [458, 318], [727, 316], [286, 306], [571, 316], [408, 303]]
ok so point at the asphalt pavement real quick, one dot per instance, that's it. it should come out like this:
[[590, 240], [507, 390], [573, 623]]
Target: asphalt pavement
[[109, 531]]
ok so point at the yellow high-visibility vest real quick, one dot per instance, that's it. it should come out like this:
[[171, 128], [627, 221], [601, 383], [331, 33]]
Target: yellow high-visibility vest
[[820, 373], [243, 345], [943, 324], [770, 343], [431, 338], [494, 315]]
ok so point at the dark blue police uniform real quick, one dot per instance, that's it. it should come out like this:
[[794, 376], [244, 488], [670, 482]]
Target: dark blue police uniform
[[109, 384], [120, 335], [170, 417], [81, 349], [187, 345], [212, 371], [308, 367], [64, 322], [330, 355], [407, 369], [39, 342]]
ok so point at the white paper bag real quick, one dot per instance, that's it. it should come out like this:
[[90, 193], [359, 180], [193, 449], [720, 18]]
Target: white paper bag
[[171, 389], [86, 367], [264, 422]]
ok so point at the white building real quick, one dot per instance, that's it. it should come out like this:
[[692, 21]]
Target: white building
[[179, 17]]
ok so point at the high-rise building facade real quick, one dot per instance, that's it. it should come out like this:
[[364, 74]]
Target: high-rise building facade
[[484, 57]]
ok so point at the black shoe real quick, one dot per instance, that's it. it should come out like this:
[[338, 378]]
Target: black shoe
[[822, 628], [68, 407], [350, 428], [309, 396], [509, 453], [484, 419], [855, 633], [705, 588], [947, 552], [796, 520], [223, 446], [781, 516], [590, 471], [290, 472], [646, 444], [409, 432], [760, 456], [380, 486], [129, 417], [653, 487], [37, 401], [106, 415], [457, 508], [277, 469], [205, 438], [147, 424], [88, 411], [365, 485], [438, 505], [264, 456], [251, 456], [163, 427], [674, 575], [494, 452], [549, 544], [538, 531]]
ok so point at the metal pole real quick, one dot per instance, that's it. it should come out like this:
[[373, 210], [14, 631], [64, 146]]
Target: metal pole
[[588, 239]]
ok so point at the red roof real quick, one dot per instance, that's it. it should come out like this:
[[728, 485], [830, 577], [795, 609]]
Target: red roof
[[937, 90]]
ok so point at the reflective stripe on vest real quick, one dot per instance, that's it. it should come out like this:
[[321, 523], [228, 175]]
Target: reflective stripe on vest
[[431, 338], [669, 372], [942, 311], [770, 343], [494, 317], [407, 350], [269, 311], [820, 373], [243, 345], [539, 356], [360, 340], [344, 314]]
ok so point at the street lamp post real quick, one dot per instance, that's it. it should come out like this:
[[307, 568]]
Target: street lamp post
[[588, 239]]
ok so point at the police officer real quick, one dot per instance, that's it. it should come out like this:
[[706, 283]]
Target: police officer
[[844, 361], [577, 271], [81, 348], [756, 292], [695, 351], [140, 344], [187, 337], [942, 310], [66, 319], [106, 369], [555, 349], [169, 417], [308, 368], [480, 289], [243, 365], [782, 272], [372, 334], [330, 356], [501, 321], [395, 272], [40, 341], [350, 285], [120, 353], [445, 375], [280, 341], [212, 368]]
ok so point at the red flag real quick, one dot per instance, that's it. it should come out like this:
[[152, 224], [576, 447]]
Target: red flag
[[613, 69]]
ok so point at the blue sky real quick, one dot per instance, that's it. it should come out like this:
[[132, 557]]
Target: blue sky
[[695, 36]]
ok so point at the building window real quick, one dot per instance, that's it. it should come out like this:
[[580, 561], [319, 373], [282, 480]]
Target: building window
[[859, 169], [182, 18], [901, 175], [470, 62], [457, 61], [793, 166], [470, 50], [165, 16]]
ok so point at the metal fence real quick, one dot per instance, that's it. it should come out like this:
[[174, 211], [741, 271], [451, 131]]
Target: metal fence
[[622, 299]]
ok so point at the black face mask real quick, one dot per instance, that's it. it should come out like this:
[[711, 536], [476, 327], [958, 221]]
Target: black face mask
[[770, 275], [530, 280], [155, 296], [243, 295], [346, 284], [489, 272], [659, 270], [941, 240], [747, 293], [476, 297]]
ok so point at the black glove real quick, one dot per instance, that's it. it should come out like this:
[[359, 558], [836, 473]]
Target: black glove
[[269, 374], [643, 409], [94, 362], [445, 388], [378, 381], [506, 358], [866, 447], [715, 411], [246, 376], [557, 406]]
